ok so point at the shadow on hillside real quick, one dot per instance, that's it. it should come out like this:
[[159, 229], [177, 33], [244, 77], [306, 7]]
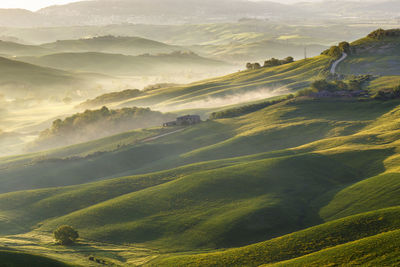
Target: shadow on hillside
[[364, 164]]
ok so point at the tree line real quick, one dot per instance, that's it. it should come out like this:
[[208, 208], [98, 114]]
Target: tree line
[[269, 63]]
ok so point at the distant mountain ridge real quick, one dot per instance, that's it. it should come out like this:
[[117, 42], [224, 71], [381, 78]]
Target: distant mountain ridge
[[104, 12]]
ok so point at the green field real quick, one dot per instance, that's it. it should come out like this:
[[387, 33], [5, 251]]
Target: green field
[[305, 181], [330, 240]]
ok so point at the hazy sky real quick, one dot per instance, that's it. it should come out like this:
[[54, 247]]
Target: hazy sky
[[37, 4]]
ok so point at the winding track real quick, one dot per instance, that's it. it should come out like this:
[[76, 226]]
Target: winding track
[[336, 63]]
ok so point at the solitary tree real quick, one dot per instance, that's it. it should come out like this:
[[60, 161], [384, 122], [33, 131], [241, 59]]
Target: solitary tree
[[66, 235]]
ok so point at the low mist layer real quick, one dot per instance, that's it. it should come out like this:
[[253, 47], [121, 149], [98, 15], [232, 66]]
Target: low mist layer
[[95, 124]]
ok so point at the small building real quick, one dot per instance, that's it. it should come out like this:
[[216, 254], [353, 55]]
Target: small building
[[184, 120], [188, 120]]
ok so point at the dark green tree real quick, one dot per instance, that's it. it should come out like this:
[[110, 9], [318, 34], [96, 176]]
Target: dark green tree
[[345, 47], [256, 66], [66, 235]]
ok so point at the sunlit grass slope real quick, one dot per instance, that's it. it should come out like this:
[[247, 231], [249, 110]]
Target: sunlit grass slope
[[265, 174], [379, 250], [357, 239], [292, 76], [19, 259]]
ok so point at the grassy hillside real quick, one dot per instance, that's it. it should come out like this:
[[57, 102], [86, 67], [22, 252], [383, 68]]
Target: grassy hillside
[[379, 250], [254, 133], [339, 242], [242, 194], [118, 64], [262, 131], [376, 56], [300, 179], [110, 44], [245, 85]]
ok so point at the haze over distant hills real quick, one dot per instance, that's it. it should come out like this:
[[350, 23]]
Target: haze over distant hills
[[103, 12]]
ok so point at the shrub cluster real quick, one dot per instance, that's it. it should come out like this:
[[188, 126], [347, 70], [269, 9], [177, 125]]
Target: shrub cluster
[[269, 63], [354, 83]]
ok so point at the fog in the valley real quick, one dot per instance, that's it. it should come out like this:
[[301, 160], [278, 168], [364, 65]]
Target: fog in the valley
[[231, 99], [54, 58]]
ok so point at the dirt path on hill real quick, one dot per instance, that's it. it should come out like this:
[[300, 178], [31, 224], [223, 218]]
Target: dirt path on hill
[[336, 63]]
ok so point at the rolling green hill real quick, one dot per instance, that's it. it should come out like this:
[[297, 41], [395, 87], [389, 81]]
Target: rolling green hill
[[356, 239], [241, 195], [110, 44], [379, 250], [261, 83], [295, 181], [118, 64], [376, 56]]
